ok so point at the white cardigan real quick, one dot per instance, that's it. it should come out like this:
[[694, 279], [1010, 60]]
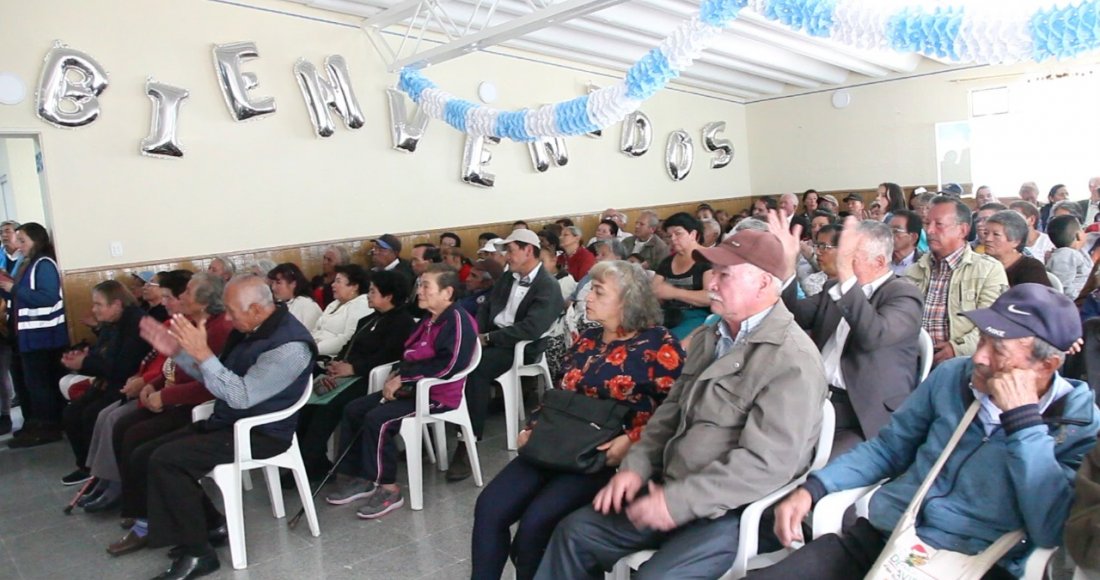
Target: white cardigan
[[305, 310], [337, 324]]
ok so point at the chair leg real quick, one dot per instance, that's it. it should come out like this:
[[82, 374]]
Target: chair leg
[[411, 432], [246, 479], [549, 384], [274, 491], [298, 468], [428, 445], [621, 571], [471, 451], [439, 428], [229, 481], [509, 386]]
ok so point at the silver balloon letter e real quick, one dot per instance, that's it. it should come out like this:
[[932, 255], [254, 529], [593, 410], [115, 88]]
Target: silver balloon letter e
[[235, 84]]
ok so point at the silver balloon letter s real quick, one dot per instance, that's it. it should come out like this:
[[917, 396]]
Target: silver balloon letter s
[[712, 143], [637, 134], [475, 157], [62, 100], [679, 155], [334, 92], [406, 132], [162, 140], [236, 84], [545, 151]]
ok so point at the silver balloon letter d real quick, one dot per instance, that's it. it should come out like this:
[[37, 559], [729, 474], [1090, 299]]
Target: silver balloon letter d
[[637, 134], [64, 101]]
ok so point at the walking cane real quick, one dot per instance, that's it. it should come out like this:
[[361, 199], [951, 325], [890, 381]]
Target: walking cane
[[83, 489], [302, 510]]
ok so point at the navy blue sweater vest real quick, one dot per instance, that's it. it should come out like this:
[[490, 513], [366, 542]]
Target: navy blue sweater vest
[[240, 353]]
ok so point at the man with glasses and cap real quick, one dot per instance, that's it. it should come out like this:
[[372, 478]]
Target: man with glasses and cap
[[522, 305], [1013, 467], [385, 254]]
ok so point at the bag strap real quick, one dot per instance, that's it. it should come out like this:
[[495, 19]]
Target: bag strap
[[910, 515]]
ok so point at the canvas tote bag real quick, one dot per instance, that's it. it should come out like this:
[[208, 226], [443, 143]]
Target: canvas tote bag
[[907, 557]]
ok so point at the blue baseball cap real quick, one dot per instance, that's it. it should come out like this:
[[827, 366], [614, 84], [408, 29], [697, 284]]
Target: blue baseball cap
[[1031, 310]]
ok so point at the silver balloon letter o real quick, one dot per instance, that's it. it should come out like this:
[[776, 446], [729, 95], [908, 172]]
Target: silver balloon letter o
[[679, 155]]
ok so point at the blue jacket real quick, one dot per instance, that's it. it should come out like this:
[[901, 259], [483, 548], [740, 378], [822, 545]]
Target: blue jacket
[[39, 308], [1020, 476]]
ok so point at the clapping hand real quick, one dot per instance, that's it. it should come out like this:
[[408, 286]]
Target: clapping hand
[[157, 335], [788, 238], [74, 359], [191, 338]]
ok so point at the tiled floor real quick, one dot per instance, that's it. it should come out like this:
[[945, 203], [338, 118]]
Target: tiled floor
[[38, 541]]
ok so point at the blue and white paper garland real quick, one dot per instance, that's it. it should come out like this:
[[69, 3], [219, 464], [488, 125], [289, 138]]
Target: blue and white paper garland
[[980, 32]]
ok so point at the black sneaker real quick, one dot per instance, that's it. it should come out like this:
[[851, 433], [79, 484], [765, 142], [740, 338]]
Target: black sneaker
[[34, 439], [77, 477], [5, 424], [460, 465]]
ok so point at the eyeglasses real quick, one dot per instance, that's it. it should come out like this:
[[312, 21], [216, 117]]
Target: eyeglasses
[[900, 231], [821, 246]]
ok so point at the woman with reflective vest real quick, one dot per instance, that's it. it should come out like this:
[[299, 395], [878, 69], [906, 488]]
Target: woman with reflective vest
[[37, 313]]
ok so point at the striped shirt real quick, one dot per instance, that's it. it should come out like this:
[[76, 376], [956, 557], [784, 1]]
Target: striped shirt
[[934, 319]]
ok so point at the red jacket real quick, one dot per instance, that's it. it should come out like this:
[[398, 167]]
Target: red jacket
[[186, 390]]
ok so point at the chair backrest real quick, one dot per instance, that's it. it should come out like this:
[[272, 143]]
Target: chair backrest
[[424, 384], [378, 376], [1056, 283], [925, 356], [307, 391], [825, 439]]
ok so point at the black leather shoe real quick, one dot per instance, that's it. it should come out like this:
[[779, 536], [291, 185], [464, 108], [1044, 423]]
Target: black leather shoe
[[460, 465], [217, 537], [102, 503], [188, 567]]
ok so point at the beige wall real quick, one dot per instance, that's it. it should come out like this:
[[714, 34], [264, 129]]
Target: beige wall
[[23, 175], [270, 182]]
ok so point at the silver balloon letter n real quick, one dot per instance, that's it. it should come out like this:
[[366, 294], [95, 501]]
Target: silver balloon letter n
[[637, 134], [236, 84], [475, 156], [64, 101], [545, 151], [162, 140], [332, 93]]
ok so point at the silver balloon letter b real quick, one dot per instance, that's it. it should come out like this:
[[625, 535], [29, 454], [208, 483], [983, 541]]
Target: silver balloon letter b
[[334, 92], [637, 134], [712, 143], [62, 100], [475, 157], [236, 84], [545, 151], [679, 155], [162, 140], [406, 132]]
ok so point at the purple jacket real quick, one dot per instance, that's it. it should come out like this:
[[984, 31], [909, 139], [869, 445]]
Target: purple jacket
[[440, 349]]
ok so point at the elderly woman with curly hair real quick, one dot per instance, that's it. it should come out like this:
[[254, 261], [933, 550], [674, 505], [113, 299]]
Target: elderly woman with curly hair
[[629, 358]]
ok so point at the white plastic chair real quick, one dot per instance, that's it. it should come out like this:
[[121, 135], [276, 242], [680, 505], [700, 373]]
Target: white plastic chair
[[748, 540], [924, 358], [1056, 283], [377, 380], [511, 386], [228, 476], [414, 428], [828, 517]]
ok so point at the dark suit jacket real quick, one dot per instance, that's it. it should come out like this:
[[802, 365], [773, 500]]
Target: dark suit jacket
[[1082, 210], [537, 311], [879, 361]]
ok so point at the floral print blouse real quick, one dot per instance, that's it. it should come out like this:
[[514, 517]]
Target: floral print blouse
[[638, 371]]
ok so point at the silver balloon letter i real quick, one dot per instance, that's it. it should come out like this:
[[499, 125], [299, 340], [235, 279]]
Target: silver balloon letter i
[[164, 124]]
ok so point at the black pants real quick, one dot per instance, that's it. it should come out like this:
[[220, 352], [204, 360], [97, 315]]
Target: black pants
[[317, 422], [848, 433], [135, 430], [179, 511], [42, 372], [374, 455], [1091, 352], [494, 361], [79, 419], [840, 557]]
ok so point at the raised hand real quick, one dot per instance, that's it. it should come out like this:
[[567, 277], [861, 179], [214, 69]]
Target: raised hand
[[192, 339], [158, 337], [788, 238]]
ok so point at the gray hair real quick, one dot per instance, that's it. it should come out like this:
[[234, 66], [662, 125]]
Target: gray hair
[[617, 247], [711, 224], [1042, 350], [641, 309], [262, 266], [1015, 226], [14, 224], [573, 230], [1070, 206], [254, 290], [651, 218], [878, 239], [208, 292], [789, 196], [750, 224], [342, 254], [229, 266]]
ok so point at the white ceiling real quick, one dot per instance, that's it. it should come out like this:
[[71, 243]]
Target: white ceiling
[[754, 59]]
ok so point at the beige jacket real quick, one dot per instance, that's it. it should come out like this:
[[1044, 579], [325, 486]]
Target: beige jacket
[[975, 283], [735, 429]]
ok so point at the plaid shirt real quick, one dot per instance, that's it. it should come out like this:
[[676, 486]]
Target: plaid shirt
[[934, 319]]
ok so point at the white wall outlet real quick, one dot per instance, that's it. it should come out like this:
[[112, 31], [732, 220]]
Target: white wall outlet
[[116, 249]]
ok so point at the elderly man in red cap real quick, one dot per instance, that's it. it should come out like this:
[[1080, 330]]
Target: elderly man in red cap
[[741, 421]]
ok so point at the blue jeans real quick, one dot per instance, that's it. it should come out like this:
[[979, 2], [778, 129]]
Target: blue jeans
[[588, 543], [536, 498]]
